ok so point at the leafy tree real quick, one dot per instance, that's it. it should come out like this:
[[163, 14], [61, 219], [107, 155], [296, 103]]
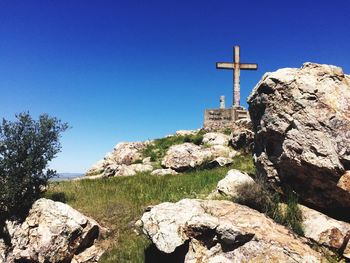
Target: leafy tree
[[26, 147]]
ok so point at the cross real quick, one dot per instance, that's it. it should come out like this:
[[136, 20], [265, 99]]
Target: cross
[[236, 67]]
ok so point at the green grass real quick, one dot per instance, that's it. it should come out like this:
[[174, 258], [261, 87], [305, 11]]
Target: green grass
[[158, 149], [260, 197], [118, 202]]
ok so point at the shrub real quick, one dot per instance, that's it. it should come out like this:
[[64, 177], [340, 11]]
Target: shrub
[[260, 197], [26, 147], [159, 147]]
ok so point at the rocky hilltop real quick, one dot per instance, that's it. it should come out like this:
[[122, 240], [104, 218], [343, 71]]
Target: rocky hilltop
[[293, 208]]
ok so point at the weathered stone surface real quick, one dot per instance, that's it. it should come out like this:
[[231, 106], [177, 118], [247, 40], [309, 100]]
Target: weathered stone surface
[[215, 138], [89, 255], [221, 161], [242, 136], [222, 231], [96, 169], [301, 120], [133, 169], [162, 172], [326, 231], [127, 152], [184, 156], [124, 153], [223, 151], [232, 182], [52, 232]]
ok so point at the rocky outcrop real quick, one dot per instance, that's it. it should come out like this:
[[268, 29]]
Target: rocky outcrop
[[121, 161], [301, 120], [222, 231], [186, 156], [53, 232], [232, 183]]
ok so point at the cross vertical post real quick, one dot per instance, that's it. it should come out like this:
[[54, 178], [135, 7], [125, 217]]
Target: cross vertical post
[[236, 66], [236, 78]]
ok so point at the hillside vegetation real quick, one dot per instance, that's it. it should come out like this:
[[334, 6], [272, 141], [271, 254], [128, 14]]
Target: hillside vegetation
[[118, 202]]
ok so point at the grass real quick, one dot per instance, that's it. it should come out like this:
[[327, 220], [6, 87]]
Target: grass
[[118, 202], [263, 199], [159, 147]]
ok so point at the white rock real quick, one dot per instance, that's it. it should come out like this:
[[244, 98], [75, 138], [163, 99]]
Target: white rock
[[162, 172], [222, 161], [215, 138], [184, 156], [232, 182], [325, 230], [52, 232], [222, 231], [141, 168]]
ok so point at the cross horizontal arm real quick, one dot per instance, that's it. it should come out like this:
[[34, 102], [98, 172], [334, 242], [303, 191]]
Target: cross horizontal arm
[[225, 65], [248, 66]]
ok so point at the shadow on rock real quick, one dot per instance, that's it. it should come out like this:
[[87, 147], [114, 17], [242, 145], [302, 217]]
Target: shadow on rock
[[153, 255]]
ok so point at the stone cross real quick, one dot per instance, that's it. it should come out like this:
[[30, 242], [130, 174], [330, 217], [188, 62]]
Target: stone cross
[[236, 67]]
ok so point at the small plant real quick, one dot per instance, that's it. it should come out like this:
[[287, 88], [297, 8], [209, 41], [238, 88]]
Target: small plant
[[260, 197], [159, 147], [227, 131]]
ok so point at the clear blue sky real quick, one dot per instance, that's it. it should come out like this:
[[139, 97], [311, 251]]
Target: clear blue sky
[[132, 70]]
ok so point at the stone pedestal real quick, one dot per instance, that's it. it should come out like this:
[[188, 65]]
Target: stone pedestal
[[222, 119]]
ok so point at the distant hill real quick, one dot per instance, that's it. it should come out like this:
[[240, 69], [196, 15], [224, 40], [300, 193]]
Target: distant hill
[[67, 176]]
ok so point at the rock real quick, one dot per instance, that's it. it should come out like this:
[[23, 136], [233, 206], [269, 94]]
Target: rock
[[141, 168], [301, 120], [96, 169], [124, 170], [127, 152], [186, 132], [233, 181], [162, 172], [215, 138], [3, 251], [221, 161], [147, 160], [52, 232], [185, 156], [326, 231], [222, 231], [124, 153], [223, 151], [89, 255]]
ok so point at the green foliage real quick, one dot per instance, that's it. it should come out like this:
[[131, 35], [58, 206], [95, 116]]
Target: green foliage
[[26, 147], [118, 201], [263, 199], [227, 131], [159, 147]]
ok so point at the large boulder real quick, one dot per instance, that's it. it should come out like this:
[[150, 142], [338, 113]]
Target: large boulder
[[222, 231], [184, 156], [301, 120], [52, 232]]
